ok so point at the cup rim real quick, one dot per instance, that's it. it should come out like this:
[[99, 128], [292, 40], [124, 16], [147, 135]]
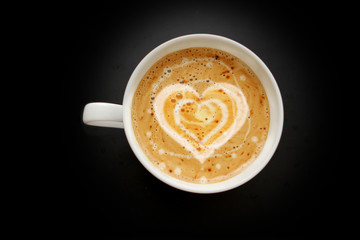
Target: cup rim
[[197, 40]]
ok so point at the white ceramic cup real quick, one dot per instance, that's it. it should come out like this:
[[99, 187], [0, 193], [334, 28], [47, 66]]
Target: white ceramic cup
[[119, 116]]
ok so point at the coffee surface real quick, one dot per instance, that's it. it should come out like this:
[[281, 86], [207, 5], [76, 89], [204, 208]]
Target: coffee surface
[[200, 115]]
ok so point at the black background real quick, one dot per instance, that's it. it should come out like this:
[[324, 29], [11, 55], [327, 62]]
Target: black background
[[103, 188]]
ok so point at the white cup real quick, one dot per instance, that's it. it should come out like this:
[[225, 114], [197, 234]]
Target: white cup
[[119, 116]]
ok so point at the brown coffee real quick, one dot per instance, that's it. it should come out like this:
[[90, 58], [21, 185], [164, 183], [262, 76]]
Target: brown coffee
[[200, 115]]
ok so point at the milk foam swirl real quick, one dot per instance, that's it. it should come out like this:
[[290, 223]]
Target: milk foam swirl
[[201, 123]]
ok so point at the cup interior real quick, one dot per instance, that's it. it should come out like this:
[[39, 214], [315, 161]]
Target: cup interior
[[262, 72]]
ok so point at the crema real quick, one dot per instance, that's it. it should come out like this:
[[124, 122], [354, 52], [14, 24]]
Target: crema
[[200, 115]]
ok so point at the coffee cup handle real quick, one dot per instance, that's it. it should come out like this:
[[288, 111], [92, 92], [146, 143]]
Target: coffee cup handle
[[103, 115]]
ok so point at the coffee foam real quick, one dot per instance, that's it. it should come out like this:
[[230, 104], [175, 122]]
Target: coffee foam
[[200, 74]]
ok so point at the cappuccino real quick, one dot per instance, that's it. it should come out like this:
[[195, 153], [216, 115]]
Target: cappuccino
[[200, 115]]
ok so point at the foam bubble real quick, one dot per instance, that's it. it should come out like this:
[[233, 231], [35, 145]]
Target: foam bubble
[[233, 155], [218, 165], [162, 166], [242, 78], [167, 71], [161, 151], [203, 179], [254, 139], [177, 171], [148, 134]]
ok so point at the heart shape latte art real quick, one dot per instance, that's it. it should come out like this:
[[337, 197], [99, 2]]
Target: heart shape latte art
[[201, 123]]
